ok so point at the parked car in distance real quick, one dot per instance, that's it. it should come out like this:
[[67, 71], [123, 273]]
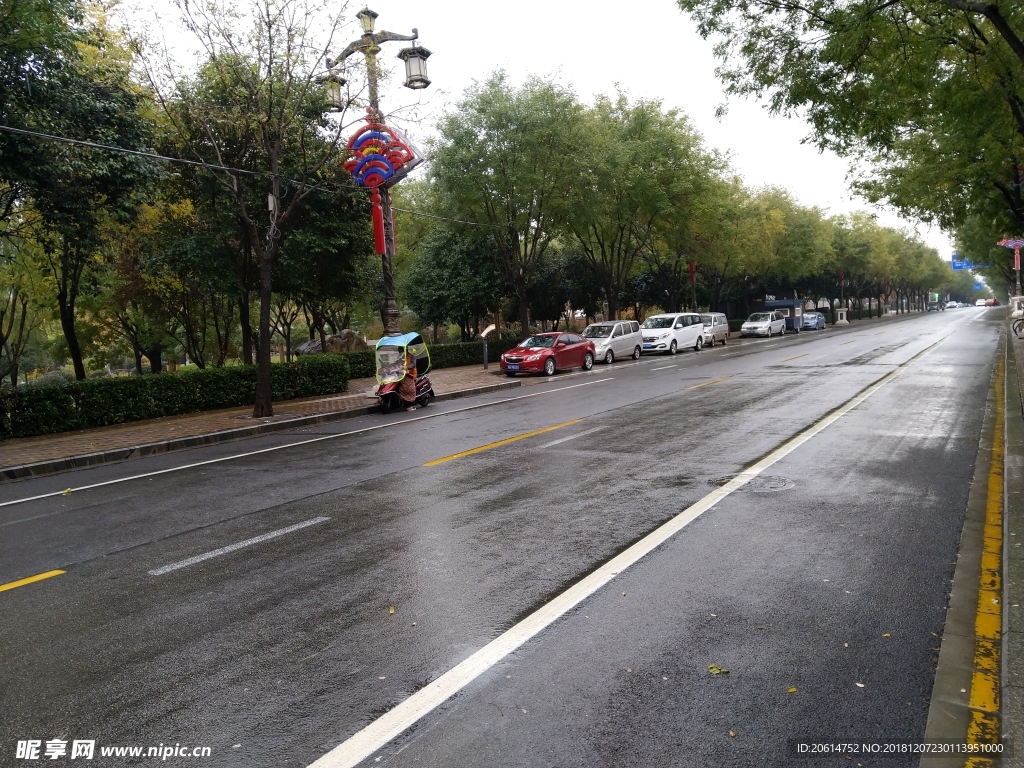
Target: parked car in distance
[[979, 303], [672, 332], [934, 306], [615, 339], [548, 352], [764, 324], [813, 321], [952, 304], [716, 328]]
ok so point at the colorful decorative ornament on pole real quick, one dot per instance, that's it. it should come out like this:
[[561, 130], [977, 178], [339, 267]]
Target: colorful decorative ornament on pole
[[379, 157], [1016, 243]]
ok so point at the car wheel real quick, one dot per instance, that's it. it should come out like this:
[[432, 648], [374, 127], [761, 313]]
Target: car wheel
[[672, 347], [588, 362], [725, 339], [609, 357], [510, 374], [699, 345], [636, 353], [712, 342], [549, 367]]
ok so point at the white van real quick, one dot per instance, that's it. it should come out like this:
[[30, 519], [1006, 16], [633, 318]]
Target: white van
[[615, 340], [672, 332], [716, 328]]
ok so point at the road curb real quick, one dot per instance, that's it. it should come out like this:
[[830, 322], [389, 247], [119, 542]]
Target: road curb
[[114, 455], [1013, 554]]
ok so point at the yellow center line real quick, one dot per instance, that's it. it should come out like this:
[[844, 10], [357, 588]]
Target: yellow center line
[[706, 383], [506, 441], [805, 354], [29, 580], [988, 624]]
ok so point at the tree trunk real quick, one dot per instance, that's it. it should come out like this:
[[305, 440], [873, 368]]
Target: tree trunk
[[156, 358], [67, 324], [524, 309], [243, 315], [263, 406]]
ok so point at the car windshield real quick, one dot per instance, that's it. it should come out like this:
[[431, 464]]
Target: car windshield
[[598, 331], [657, 322], [706, 319], [761, 317], [538, 341]]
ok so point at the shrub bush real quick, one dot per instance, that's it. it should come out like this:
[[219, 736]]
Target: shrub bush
[[736, 325], [42, 410]]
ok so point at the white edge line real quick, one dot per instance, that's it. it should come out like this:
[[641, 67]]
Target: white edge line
[[571, 437], [300, 442], [385, 728], [234, 547]]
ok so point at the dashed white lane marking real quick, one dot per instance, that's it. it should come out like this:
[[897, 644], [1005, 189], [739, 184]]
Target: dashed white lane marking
[[385, 728], [571, 437], [295, 444], [663, 368], [235, 547]]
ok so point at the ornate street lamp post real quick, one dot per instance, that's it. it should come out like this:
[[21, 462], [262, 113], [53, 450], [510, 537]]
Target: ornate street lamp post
[[380, 157]]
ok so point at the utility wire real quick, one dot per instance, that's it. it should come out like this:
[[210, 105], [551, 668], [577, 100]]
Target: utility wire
[[211, 166]]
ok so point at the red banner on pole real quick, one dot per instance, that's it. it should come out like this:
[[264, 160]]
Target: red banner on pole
[[693, 273]]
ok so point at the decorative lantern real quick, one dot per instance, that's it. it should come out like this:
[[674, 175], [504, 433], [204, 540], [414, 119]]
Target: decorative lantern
[[415, 59], [366, 18], [333, 83]]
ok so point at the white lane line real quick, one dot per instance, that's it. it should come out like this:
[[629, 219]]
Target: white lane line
[[235, 547], [663, 368], [295, 444], [571, 437], [385, 728]]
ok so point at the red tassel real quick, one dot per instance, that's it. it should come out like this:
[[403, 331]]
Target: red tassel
[[378, 223]]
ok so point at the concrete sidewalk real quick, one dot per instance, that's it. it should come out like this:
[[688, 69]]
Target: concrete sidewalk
[[48, 454]]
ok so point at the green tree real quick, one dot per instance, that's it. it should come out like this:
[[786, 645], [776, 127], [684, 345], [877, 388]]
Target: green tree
[[255, 109], [506, 157]]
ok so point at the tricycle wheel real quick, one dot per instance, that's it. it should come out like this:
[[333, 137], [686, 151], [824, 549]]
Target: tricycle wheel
[[387, 405]]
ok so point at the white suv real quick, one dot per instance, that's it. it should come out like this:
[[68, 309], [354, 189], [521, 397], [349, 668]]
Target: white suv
[[672, 332]]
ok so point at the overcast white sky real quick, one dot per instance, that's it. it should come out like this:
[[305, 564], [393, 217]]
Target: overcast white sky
[[648, 48]]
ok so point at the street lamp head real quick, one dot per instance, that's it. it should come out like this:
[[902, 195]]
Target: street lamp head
[[366, 18], [332, 83], [415, 59]]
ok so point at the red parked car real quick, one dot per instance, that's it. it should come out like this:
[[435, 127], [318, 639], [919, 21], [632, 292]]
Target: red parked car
[[547, 352]]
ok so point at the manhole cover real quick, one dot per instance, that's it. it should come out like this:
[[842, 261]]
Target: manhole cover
[[759, 484]]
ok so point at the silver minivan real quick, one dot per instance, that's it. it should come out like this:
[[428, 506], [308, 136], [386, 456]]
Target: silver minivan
[[615, 340], [716, 328], [672, 332]]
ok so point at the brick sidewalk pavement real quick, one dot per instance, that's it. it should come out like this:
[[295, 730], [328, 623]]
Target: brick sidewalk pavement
[[31, 456]]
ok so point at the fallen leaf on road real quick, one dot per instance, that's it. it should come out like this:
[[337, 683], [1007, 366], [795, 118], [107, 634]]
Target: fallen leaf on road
[[886, 635], [66, 491], [391, 609], [714, 669], [859, 685], [623, 594], [414, 623], [792, 689], [732, 734], [714, 614]]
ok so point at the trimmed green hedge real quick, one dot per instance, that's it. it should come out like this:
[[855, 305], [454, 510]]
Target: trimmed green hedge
[[736, 325], [43, 410]]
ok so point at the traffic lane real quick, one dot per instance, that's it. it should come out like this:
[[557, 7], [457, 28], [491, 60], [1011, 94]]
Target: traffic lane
[[63, 529], [283, 619], [55, 532], [161, 462], [835, 587]]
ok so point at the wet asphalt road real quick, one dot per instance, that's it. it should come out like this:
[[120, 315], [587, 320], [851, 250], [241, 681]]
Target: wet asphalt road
[[832, 570]]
